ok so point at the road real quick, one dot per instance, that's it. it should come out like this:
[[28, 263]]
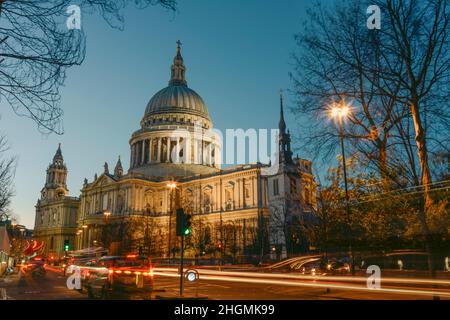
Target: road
[[240, 285], [232, 285], [52, 287]]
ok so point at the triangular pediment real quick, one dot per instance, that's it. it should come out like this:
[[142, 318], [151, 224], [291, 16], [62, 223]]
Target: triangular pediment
[[104, 180]]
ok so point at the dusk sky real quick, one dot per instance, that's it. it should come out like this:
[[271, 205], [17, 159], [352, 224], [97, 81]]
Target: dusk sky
[[237, 54]]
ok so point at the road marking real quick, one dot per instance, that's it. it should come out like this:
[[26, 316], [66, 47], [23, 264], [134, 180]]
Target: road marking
[[216, 285]]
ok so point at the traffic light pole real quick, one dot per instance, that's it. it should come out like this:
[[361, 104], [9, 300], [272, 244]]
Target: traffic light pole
[[183, 229], [181, 267]]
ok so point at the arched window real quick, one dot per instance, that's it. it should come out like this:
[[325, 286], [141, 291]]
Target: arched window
[[207, 199], [229, 196]]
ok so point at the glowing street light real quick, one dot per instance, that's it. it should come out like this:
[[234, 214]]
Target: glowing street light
[[107, 213], [340, 112], [171, 185]]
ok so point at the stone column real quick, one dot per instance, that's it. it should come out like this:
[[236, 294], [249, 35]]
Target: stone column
[[150, 151], [195, 150], [142, 152], [131, 156], [134, 155], [158, 157], [237, 193], [89, 238], [242, 193], [187, 149], [254, 187], [177, 151], [168, 149]]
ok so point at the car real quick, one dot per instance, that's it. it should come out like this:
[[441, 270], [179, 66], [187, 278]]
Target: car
[[35, 268], [73, 263], [115, 276], [336, 266], [313, 268]]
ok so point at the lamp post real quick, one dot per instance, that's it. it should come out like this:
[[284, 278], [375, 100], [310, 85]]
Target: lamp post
[[106, 214], [340, 112], [85, 235], [172, 186], [79, 239]]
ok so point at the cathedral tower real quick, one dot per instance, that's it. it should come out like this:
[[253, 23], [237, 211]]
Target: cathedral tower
[[56, 181], [284, 144]]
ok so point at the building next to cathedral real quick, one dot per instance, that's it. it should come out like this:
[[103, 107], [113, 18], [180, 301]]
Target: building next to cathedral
[[240, 213], [56, 212]]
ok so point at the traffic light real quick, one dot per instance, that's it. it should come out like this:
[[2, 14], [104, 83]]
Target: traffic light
[[187, 224], [179, 224], [66, 245], [183, 223]]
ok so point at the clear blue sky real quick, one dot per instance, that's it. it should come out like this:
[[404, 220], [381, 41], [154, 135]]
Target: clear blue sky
[[238, 57]]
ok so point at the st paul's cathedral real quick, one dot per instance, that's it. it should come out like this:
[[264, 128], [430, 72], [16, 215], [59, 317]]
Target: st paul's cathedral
[[240, 213]]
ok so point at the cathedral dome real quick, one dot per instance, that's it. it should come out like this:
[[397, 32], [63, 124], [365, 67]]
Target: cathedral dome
[[175, 138], [177, 99], [176, 103]]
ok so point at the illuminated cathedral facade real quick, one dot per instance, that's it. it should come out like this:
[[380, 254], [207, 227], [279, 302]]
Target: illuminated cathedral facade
[[242, 213]]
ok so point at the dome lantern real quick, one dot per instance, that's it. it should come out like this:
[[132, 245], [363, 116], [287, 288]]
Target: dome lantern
[[177, 77], [177, 101]]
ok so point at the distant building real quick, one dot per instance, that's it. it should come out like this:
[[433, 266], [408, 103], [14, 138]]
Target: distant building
[[56, 212], [5, 245]]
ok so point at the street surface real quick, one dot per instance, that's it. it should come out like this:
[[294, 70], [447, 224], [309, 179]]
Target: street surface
[[240, 285]]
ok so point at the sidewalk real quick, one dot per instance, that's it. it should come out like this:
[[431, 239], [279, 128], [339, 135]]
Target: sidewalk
[[7, 282]]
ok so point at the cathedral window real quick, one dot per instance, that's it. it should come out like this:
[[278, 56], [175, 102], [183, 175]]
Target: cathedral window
[[207, 200], [293, 186], [105, 202], [276, 190], [247, 192], [146, 150]]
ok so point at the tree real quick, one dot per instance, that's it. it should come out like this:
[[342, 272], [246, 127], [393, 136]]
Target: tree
[[36, 49], [7, 166], [333, 49], [418, 41], [397, 78]]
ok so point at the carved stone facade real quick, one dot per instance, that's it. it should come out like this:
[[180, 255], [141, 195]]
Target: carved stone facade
[[239, 213], [56, 212]]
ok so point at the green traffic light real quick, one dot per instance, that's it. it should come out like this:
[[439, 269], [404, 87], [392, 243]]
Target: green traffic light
[[187, 231]]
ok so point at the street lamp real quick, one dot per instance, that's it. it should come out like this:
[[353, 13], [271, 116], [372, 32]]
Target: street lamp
[[106, 214], [341, 112], [172, 186]]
